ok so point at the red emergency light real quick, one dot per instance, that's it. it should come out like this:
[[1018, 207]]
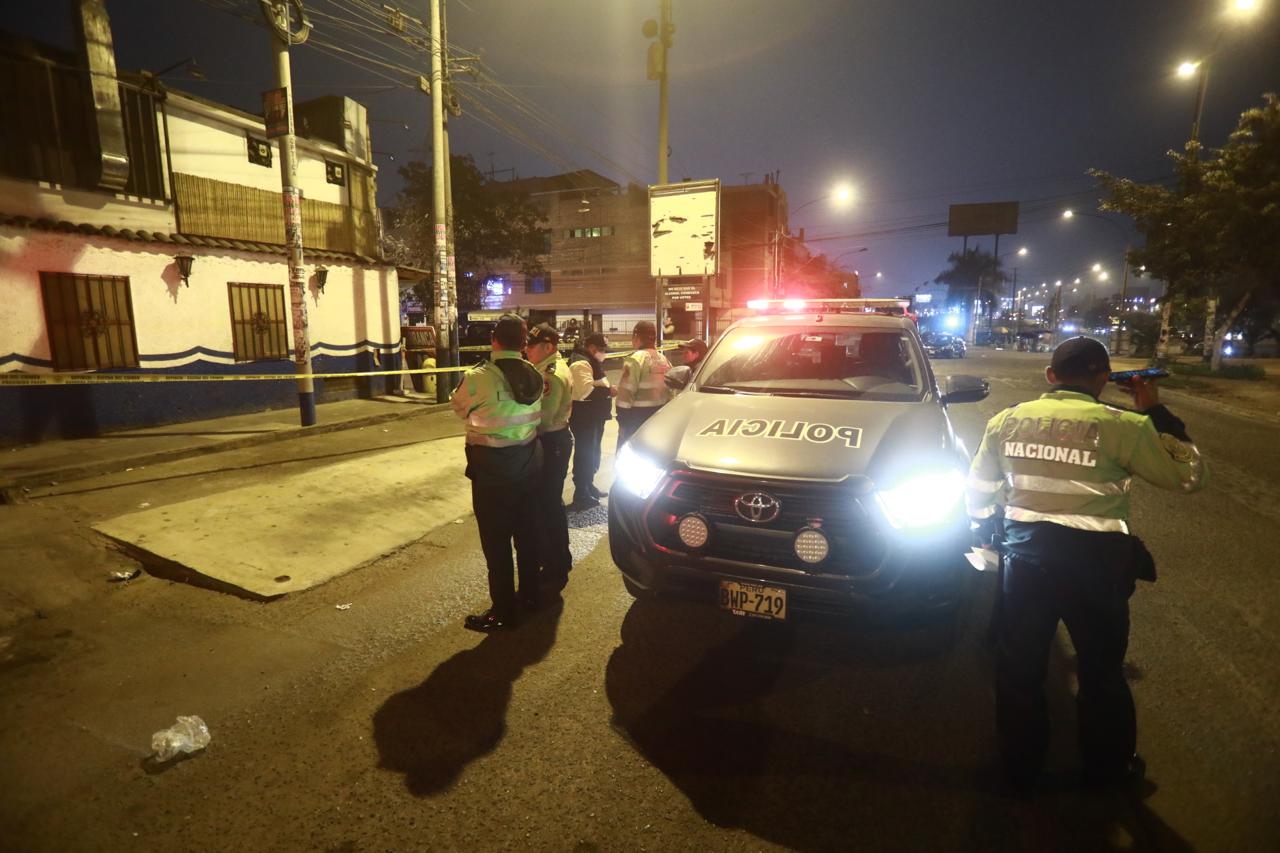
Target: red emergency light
[[892, 307]]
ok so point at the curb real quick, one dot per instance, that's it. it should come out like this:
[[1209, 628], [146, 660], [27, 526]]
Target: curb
[[1238, 411], [11, 490]]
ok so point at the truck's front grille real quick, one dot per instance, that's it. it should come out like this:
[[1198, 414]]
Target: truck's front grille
[[857, 547]]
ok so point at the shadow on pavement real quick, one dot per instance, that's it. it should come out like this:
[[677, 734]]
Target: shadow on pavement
[[820, 737], [431, 732]]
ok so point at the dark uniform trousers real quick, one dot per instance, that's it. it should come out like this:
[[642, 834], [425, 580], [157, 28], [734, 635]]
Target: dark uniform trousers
[[588, 433], [504, 482], [553, 524], [503, 515], [631, 419], [1092, 599]]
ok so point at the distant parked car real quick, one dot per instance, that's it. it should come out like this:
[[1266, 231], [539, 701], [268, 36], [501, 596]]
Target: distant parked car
[[943, 345], [475, 334]]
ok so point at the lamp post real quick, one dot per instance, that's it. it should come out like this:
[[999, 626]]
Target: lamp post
[[841, 194], [1239, 10], [1121, 342], [1021, 252]]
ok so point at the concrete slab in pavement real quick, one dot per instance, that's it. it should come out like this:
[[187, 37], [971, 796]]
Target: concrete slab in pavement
[[75, 459], [300, 530]]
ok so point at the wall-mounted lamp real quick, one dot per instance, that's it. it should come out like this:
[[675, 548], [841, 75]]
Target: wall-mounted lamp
[[322, 275], [184, 263]]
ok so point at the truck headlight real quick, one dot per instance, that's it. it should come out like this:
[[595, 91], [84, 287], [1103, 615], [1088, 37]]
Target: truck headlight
[[636, 473], [924, 500]]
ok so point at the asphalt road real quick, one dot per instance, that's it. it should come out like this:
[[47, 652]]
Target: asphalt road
[[610, 725]]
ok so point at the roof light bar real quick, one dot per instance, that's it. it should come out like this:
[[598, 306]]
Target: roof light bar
[[865, 306]]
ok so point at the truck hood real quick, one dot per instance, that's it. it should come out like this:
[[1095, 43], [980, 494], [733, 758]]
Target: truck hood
[[797, 438]]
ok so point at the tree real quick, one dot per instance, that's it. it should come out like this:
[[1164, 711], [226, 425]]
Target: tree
[[495, 228], [1214, 235], [973, 274], [817, 276]]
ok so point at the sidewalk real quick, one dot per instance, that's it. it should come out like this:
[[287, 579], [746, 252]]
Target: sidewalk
[[67, 460], [1258, 399]]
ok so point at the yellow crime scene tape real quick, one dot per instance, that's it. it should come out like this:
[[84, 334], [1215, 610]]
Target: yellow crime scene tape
[[21, 379]]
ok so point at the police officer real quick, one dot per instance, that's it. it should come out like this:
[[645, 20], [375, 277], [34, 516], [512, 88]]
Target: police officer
[[557, 446], [641, 390], [500, 401], [592, 404], [1060, 467], [693, 350]]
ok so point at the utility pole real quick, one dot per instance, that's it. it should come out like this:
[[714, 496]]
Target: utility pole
[[663, 29], [664, 142], [450, 250], [282, 35], [1122, 333], [444, 307]]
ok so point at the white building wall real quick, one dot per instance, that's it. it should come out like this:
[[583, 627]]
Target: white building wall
[[358, 310], [213, 145]]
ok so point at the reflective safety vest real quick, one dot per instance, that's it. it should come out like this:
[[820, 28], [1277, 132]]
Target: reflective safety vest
[[643, 385], [1068, 459], [557, 393], [493, 415]]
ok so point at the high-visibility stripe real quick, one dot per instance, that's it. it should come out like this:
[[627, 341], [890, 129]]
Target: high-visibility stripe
[[495, 441], [497, 421], [1095, 523], [983, 511], [642, 404], [1058, 486], [985, 486]]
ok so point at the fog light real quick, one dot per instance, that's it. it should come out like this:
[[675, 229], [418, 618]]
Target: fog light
[[693, 531], [812, 546]]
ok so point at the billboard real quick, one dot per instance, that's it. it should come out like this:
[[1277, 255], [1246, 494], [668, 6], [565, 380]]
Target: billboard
[[975, 220], [685, 228]]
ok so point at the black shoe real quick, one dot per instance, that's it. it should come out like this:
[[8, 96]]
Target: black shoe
[[597, 494], [582, 503], [487, 622]]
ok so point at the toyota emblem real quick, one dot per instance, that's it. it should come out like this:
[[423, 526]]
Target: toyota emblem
[[757, 507]]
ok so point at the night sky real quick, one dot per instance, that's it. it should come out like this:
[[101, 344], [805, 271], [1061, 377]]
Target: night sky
[[917, 103]]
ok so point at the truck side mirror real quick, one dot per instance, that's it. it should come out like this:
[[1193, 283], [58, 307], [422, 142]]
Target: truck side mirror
[[965, 389], [677, 378]]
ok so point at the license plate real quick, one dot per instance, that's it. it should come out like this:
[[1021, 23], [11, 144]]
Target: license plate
[[751, 599]]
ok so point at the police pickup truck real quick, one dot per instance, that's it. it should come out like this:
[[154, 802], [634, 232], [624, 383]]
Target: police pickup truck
[[809, 465]]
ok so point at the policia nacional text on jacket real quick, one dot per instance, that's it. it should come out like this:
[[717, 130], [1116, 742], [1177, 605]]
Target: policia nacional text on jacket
[[1058, 471]]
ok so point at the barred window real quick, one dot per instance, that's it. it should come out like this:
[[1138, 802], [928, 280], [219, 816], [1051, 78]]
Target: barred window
[[259, 329], [537, 283], [89, 320]]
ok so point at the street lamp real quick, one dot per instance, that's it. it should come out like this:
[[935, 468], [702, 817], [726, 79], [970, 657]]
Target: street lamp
[[1238, 9], [841, 194]]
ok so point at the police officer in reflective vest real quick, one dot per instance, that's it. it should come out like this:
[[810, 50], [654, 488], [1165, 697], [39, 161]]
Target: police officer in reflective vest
[[500, 400], [1060, 468], [641, 390], [557, 447], [592, 406]]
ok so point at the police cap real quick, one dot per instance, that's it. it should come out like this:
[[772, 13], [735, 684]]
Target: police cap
[[697, 346], [1080, 357], [544, 333]]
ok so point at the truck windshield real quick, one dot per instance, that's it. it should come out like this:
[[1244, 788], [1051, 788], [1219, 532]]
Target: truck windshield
[[865, 363]]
